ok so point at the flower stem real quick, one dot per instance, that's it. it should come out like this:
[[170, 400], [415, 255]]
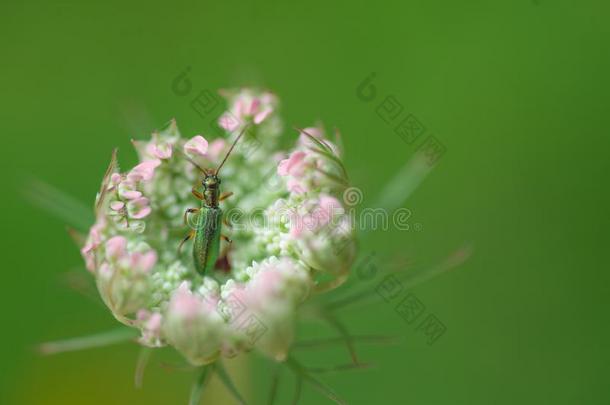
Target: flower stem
[[88, 342], [198, 386]]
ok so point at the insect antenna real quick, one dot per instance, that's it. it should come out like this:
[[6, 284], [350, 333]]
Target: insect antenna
[[201, 169], [191, 161], [231, 149]]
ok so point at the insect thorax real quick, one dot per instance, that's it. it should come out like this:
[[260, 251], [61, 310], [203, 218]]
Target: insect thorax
[[211, 190]]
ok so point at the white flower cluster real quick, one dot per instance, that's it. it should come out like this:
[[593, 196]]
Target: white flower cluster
[[252, 298]]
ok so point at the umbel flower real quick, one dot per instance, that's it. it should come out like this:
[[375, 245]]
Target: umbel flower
[[292, 231], [290, 235]]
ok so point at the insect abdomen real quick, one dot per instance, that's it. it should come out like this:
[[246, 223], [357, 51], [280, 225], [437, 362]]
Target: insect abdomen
[[206, 247]]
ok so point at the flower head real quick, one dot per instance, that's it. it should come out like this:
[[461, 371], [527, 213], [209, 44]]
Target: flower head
[[252, 298], [247, 106], [314, 165]]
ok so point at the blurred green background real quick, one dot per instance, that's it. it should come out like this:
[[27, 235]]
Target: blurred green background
[[516, 91]]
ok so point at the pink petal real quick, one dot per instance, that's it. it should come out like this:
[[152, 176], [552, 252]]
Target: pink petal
[[328, 208], [95, 232], [297, 225], [228, 122], [267, 98], [265, 285], [197, 145], [143, 213], [144, 171], [87, 253], [260, 117], [293, 165], [131, 194], [142, 315], [295, 186], [116, 247], [159, 150], [117, 205], [106, 270], [115, 178], [254, 106], [330, 204], [144, 261], [239, 107], [184, 304], [139, 208], [216, 148], [154, 322]]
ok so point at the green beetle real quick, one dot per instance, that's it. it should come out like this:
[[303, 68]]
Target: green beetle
[[208, 227]]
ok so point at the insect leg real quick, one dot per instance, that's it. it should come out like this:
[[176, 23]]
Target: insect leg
[[186, 238], [225, 195], [197, 194], [189, 211]]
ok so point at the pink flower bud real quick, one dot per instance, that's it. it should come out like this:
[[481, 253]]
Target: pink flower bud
[[143, 262], [144, 171], [127, 189], [184, 304], [262, 115], [138, 208], [216, 149], [228, 121], [296, 186], [161, 150], [292, 166], [322, 214], [116, 248], [117, 205], [196, 146], [115, 179]]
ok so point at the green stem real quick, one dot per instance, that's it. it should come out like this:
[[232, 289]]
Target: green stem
[[88, 342], [309, 344], [228, 382], [198, 386], [301, 373]]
